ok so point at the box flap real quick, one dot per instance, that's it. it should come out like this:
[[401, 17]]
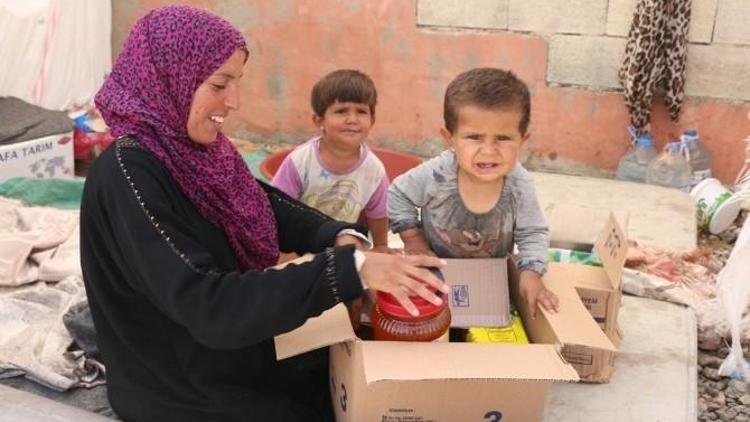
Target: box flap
[[573, 324], [612, 248], [330, 327], [479, 292], [386, 360], [576, 227], [584, 276]]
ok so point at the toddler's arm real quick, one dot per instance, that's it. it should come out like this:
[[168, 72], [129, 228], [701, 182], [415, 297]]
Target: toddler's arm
[[415, 243], [531, 234], [406, 195], [379, 230], [377, 217], [530, 231]]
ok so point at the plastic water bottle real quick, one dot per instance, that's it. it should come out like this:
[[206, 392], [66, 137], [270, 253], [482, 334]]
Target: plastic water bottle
[[670, 168], [696, 155], [634, 164]]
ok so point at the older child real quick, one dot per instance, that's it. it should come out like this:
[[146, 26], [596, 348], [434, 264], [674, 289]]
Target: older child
[[476, 200], [336, 172]]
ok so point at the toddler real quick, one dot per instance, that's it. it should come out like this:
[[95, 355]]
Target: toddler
[[475, 199], [335, 171]]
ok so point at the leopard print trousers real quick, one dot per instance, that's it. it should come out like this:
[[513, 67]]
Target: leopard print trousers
[[654, 60]]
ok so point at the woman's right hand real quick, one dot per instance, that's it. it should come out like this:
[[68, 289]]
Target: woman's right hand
[[403, 276]]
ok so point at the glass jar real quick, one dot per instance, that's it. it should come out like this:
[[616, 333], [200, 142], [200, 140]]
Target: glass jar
[[391, 322]]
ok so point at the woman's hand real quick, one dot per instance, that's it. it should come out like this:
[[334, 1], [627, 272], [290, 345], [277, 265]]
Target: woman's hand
[[533, 291], [403, 276]]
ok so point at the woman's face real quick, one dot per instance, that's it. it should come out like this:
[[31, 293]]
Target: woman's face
[[214, 98]]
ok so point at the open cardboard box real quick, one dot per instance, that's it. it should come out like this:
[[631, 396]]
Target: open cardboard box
[[599, 288], [399, 381]]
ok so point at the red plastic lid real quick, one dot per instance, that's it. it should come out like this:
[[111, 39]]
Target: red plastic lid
[[389, 305]]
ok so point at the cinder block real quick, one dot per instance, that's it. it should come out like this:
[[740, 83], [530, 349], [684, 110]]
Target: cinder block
[[733, 22], [620, 15], [702, 21], [585, 60], [555, 16], [719, 71], [483, 14]]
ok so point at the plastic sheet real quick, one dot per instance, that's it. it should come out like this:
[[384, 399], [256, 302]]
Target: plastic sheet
[[734, 294]]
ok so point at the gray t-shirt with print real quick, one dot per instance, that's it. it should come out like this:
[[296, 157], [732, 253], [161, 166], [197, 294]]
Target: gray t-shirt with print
[[430, 192]]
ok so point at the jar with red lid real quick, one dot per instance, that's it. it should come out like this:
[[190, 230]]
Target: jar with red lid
[[391, 322]]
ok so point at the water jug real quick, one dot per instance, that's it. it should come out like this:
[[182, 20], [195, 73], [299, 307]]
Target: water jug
[[696, 155], [670, 168], [634, 164]]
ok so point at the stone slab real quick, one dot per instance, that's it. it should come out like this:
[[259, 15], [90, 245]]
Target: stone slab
[[658, 217], [655, 376]]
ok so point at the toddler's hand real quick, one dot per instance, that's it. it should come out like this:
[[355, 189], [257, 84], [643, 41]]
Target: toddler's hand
[[533, 291], [386, 249], [415, 243], [413, 251]]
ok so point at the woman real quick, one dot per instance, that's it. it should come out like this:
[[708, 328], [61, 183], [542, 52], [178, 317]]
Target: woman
[[176, 234]]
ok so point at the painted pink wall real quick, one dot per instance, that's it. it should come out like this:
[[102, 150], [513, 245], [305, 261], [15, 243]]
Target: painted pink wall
[[295, 42]]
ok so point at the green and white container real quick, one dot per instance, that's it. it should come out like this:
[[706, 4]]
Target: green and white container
[[573, 257], [715, 206]]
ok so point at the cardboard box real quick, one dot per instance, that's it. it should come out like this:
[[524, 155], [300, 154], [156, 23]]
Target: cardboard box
[[474, 301], [408, 381], [479, 292], [47, 157], [599, 288]]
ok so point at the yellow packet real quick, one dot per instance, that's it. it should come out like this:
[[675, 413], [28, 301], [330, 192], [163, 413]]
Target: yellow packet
[[513, 333]]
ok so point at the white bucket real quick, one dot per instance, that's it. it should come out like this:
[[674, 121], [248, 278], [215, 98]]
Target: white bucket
[[716, 209]]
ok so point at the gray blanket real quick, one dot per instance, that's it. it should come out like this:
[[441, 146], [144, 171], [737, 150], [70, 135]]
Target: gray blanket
[[21, 121]]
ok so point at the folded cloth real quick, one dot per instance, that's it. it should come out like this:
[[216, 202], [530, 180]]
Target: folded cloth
[[15, 249], [37, 243]]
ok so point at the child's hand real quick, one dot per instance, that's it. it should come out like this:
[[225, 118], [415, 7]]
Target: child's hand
[[533, 291], [385, 249], [415, 243], [418, 251]]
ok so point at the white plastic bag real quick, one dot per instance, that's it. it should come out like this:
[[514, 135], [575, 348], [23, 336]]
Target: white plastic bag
[[734, 293]]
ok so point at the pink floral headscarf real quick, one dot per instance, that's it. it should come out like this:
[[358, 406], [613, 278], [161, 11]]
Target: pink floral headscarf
[[168, 54]]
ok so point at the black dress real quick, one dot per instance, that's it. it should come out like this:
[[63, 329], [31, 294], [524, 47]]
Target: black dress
[[184, 335]]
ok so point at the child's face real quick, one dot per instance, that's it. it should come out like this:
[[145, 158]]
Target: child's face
[[345, 125], [486, 142]]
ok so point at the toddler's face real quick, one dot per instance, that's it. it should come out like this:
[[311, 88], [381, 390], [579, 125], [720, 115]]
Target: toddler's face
[[345, 125], [486, 142]]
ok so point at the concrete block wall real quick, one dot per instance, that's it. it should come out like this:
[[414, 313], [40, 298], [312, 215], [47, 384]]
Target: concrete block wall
[[555, 17], [586, 38], [568, 52], [463, 14]]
